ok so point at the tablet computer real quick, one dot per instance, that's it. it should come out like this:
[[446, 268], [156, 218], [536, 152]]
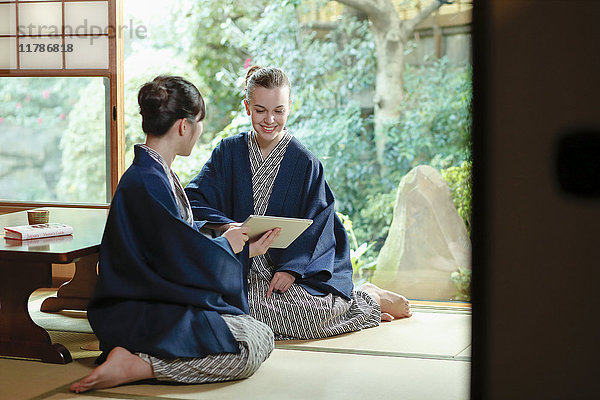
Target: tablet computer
[[291, 228]]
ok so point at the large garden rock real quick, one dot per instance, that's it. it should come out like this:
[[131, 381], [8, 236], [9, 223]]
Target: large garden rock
[[427, 240]]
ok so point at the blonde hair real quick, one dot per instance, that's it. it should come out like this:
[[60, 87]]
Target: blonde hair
[[267, 77]]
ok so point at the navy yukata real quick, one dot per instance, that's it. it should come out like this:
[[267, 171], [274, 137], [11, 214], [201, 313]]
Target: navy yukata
[[235, 183], [166, 291]]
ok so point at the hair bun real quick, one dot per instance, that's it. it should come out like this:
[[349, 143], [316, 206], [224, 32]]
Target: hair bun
[[153, 97], [165, 100], [249, 73]]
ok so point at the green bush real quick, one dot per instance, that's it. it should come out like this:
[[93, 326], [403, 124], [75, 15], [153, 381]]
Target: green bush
[[459, 180], [362, 270], [462, 280], [434, 129]]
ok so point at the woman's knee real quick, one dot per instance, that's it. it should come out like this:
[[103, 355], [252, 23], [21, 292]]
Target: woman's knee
[[264, 339], [260, 344]]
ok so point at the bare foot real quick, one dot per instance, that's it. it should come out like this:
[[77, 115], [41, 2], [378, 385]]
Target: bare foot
[[385, 317], [120, 367], [391, 303]]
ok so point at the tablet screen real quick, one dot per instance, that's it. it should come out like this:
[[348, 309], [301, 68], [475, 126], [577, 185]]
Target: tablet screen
[[291, 228]]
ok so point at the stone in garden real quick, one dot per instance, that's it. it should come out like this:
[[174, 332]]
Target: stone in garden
[[427, 240]]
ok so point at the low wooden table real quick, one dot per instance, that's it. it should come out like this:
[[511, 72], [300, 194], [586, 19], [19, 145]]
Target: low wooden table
[[27, 265]]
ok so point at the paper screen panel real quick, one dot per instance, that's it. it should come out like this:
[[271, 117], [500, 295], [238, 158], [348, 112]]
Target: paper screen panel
[[8, 53], [90, 52], [8, 19], [33, 57], [40, 19], [87, 17]]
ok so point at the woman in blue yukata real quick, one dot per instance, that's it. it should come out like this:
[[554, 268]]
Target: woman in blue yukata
[[169, 302], [304, 291]]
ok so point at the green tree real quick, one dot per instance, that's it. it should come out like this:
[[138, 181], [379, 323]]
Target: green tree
[[210, 37], [83, 142], [391, 35], [329, 74], [83, 147], [34, 112]]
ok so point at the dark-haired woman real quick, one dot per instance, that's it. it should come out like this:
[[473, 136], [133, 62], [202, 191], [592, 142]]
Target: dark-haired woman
[[304, 291], [169, 302]]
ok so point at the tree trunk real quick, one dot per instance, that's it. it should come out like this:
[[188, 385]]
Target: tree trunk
[[390, 35], [389, 82]]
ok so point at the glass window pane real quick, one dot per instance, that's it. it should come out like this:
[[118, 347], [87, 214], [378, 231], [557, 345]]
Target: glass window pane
[[8, 53], [8, 21], [86, 52], [41, 53], [40, 19], [53, 135], [86, 17]]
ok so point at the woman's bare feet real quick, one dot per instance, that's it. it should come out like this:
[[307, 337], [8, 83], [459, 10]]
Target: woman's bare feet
[[393, 305], [120, 367]]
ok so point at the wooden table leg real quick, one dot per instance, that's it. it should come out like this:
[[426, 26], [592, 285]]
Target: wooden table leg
[[76, 293], [19, 335]]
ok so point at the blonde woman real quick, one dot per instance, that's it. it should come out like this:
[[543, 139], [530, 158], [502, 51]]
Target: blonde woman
[[304, 291]]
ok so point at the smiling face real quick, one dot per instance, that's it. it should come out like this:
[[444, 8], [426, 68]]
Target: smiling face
[[269, 110]]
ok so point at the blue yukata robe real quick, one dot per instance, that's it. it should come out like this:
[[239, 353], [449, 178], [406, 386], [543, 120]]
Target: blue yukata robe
[[222, 193], [162, 284]]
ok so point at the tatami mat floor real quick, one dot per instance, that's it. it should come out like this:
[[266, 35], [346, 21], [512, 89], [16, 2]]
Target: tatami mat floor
[[423, 357]]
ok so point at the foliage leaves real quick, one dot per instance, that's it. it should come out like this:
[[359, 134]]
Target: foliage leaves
[[332, 75], [34, 112], [459, 181]]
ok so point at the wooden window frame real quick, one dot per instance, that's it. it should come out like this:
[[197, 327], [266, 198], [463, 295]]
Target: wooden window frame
[[114, 74]]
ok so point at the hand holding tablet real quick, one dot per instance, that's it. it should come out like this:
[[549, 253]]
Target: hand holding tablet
[[291, 228]]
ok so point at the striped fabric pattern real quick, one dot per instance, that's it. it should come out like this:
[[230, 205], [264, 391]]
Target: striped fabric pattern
[[255, 341], [296, 314], [265, 171]]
